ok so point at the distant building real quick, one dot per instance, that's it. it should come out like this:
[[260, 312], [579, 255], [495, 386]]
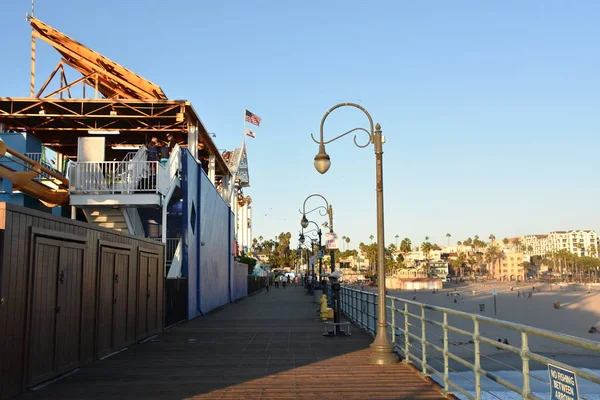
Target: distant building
[[579, 242], [511, 268]]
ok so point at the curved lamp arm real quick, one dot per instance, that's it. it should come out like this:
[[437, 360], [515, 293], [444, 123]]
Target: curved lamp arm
[[313, 195], [317, 230], [369, 132], [322, 160], [316, 208]]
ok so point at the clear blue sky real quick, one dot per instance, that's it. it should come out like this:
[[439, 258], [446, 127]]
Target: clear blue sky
[[490, 109]]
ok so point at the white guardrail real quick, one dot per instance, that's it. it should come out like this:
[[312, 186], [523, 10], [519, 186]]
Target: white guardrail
[[468, 361], [124, 177]]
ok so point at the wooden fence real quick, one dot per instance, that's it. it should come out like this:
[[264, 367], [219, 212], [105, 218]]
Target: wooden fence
[[71, 293]]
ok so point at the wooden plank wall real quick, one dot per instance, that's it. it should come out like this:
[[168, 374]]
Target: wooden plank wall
[[19, 228]]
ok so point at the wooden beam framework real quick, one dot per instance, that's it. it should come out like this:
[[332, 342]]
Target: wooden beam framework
[[59, 122]]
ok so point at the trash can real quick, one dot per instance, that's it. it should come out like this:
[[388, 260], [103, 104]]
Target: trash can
[[482, 307], [318, 294]]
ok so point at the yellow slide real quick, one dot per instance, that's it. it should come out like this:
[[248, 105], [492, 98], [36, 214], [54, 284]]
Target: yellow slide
[[24, 181]]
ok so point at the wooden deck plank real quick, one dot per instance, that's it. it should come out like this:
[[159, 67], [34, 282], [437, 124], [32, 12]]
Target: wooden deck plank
[[268, 346]]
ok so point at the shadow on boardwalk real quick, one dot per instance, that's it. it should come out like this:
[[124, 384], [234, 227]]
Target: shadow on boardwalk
[[268, 346]]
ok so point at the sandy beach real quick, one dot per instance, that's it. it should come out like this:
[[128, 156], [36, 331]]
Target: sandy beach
[[579, 311]]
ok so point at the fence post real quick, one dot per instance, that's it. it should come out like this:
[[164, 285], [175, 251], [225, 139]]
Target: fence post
[[423, 343], [353, 306], [362, 310], [446, 366], [393, 322], [525, 361], [477, 362], [376, 300], [406, 342]]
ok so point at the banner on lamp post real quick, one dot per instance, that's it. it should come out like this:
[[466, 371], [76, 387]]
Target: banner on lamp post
[[331, 240]]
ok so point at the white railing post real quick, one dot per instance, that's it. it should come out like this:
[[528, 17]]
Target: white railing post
[[525, 361], [375, 304], [393, 322], [113, 177], [406, 339], [362, 310], [446, 366], [423, 343], [477, 362]]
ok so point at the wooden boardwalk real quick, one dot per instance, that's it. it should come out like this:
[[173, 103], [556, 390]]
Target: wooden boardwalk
[[268, 346]]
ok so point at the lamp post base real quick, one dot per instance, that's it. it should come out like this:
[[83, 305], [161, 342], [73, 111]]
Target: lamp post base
[[382, 350], [382, 355]]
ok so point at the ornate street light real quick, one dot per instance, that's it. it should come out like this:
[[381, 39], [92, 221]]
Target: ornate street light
[[382, 347], [329, 211], [304, 221]]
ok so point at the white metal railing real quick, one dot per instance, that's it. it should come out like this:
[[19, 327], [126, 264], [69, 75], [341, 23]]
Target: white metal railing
[[37, 157], [125, 177], [170, 171], [170, 247], [114, 177], [416, 326]]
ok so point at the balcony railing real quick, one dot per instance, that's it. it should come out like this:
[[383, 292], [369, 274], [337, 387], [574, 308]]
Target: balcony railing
[[37, 157], [115, 177], [170, 247], [124, 177]]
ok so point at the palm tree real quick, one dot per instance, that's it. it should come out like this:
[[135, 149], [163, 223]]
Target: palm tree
[[371, 237], [397, 236], [347, 242], [448, 236], [491, 255], [505, 241], [472, 261], [343, 240], [459, 243], [517, 244], [592, 250], [426, 248], [459, 263], [405, 247], [499, 257], [527, 268], [492, 237]]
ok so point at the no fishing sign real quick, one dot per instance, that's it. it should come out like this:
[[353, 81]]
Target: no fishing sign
[[563, 384]]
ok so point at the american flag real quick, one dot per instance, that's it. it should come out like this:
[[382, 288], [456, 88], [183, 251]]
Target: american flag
[[250, 133], [253, 118]]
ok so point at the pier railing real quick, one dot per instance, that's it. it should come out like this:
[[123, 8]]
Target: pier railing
[[455, 348]]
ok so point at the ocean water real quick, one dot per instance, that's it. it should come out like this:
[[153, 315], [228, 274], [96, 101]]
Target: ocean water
[[538, 381]]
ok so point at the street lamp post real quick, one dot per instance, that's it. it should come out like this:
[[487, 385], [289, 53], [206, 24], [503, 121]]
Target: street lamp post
[[382, 347], [319, 233], [304, 222], [310, 290]]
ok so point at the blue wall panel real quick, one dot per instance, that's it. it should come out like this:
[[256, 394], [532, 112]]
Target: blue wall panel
[[215, 242], [207, 237], [191, 256]]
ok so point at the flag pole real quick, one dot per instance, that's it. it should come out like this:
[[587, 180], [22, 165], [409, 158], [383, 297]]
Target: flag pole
[[244, 132]]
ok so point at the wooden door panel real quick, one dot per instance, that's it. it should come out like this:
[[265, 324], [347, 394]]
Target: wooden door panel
[[120, 311], [42, 314], [70, 281], [142, 309], [153, 295], [105, 302]]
